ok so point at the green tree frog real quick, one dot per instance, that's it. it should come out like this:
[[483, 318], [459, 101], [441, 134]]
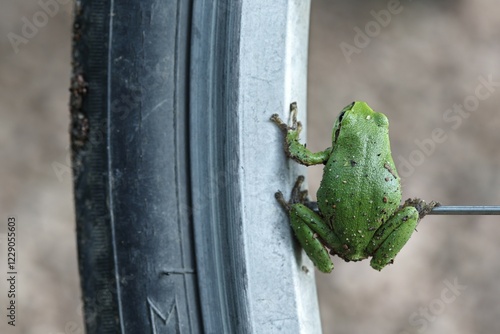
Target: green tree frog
[[359, 198]]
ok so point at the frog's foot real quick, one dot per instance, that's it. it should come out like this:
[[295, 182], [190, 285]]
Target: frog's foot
[[294, 127], [297, 195], [420, 205]]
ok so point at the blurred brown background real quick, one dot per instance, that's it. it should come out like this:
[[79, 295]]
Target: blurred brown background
[[414, 65], [34, 135]]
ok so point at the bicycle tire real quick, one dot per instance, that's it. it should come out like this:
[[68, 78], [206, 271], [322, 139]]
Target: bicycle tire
[[156, 110]]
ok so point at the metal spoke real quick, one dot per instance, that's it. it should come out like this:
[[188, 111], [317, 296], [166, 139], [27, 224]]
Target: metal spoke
[[447, 209], [465, 210]]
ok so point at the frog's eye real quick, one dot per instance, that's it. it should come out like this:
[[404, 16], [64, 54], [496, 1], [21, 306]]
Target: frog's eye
[[338, 124], [341, 115], [349, 107]]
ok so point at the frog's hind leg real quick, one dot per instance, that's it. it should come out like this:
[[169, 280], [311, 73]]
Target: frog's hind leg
[[392, 236], [309, 228], [308, 238]]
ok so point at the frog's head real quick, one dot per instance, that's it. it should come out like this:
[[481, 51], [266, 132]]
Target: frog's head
[[358, 118]]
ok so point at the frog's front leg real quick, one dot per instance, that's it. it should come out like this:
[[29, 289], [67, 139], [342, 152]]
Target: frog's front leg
[[309, 228], [293, 148], [392, 236]]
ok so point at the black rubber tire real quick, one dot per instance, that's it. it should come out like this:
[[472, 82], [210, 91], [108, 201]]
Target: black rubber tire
[[131, 166]]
